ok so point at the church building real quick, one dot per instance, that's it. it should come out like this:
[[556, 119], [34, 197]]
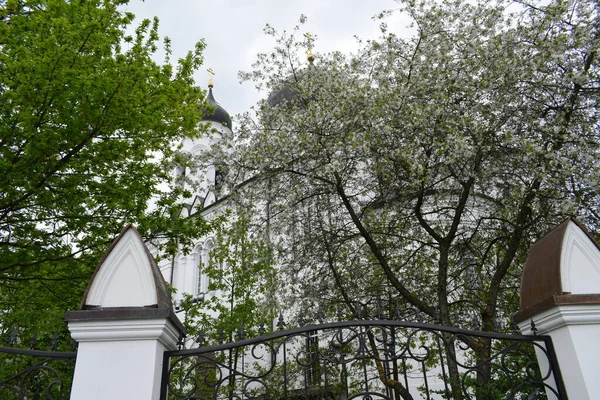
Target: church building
[[183, 272]]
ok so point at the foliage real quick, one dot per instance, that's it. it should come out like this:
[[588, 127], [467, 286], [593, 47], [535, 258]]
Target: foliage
[[88, 124], [449, 151], [241, 279], [417, 172]]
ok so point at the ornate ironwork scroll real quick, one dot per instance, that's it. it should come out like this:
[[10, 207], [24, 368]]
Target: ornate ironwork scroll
[[31, 374], [367, 360]]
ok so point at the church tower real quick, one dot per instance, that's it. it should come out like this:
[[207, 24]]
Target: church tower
[[184, 271], [205, 181]]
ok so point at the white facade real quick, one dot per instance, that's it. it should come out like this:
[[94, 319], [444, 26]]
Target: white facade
[[184, 271]]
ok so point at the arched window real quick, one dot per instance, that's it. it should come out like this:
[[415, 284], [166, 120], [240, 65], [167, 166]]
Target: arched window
[[203, 260]]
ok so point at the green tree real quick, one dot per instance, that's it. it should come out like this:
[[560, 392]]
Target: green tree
[[241, 280], [88, 124], [419, 171], [241, 283]]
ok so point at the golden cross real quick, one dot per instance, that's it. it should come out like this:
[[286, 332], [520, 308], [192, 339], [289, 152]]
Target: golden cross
[[309, 55], [211, 73]]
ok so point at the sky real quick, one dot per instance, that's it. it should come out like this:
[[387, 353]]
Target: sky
[[233, 31]]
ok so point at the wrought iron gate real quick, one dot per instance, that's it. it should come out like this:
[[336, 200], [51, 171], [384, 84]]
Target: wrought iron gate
[[35, 375], [377, 359]]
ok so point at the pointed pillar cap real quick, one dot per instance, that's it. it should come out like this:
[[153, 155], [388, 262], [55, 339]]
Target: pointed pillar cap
[[127, 284], [127, 276], [563, 267]]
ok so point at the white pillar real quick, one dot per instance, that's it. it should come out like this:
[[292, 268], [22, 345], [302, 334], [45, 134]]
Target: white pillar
[[560, 293], [124, 327], [120, 354], [575, 333]]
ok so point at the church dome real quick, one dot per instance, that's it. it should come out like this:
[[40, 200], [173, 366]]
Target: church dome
[[219, 114], [281, 96], [286, 92]]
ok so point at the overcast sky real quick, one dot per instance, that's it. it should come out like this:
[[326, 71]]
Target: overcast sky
[[233, 31]]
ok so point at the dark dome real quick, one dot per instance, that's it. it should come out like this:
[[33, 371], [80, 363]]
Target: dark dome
[[286, 90], [219, 115], [281, 96]]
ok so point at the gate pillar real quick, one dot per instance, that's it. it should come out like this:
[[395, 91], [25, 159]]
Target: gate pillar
[[125, 324], [560, 297]]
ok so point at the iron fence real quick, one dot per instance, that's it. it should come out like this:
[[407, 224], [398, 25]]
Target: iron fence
[[376, 359], [27, 374]]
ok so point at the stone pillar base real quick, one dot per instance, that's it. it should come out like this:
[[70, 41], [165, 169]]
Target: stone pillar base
[[120, 352]]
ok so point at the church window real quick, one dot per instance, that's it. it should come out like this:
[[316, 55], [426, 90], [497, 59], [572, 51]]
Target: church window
[[204, 258]]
